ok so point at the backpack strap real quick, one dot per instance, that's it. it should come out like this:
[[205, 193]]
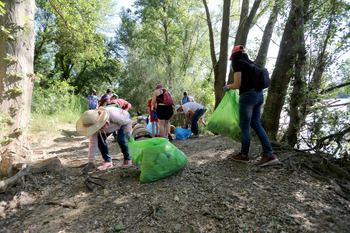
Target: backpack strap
[[160, 98]]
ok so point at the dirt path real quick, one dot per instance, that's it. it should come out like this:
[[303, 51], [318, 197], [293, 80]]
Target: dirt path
[[211, 193]]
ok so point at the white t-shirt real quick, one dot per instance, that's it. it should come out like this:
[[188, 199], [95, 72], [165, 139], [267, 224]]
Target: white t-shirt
[[191, 106]]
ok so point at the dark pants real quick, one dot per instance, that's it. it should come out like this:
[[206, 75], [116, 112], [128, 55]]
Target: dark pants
[[194, 121], [121, 139]]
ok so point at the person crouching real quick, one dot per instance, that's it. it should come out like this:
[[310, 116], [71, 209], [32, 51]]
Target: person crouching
[[98, 124]]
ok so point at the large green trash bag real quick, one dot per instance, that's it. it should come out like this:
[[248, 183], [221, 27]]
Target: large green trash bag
[[159, 158], [225, 119]]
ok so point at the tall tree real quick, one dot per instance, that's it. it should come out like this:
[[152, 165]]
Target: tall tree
[[283, 71], [268, 31], [72, 29], [145, 46], [16, 77], [168, 30], [299, 74], [245, 21], [219, 65], [308, 90]]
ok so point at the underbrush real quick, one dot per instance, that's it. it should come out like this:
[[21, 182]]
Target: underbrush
[[54, 107]]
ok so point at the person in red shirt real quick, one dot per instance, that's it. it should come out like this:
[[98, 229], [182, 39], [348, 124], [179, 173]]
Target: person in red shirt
[[125, 105], [122, 103], [155, 122]]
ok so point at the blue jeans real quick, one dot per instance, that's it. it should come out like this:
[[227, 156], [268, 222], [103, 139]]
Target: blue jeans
[[250, 103], [194, 121], [121, 139]]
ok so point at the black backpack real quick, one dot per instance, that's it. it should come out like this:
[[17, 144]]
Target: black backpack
[[261, 77]]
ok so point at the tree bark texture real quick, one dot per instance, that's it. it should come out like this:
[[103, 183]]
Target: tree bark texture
[[266, 39], [219, 65], [16, 76], [281, 75], [245, 21], [299, 83], [314, 85]]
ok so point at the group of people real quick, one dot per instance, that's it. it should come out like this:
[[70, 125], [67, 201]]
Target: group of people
[[112, 116]]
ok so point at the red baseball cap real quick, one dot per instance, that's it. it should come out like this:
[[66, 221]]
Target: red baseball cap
[[236, 49]]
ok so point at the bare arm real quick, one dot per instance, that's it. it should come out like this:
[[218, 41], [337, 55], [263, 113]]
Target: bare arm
[[191, 114], [154, 97], [237, 81]]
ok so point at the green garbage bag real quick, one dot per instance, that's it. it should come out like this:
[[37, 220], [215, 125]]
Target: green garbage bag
[[159, 158], [225, 119]]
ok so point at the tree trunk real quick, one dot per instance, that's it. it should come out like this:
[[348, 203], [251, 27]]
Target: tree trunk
[[298, 94], [315, 83], [266, 39], [16, 78], [219, 65], [245, 21], [280, 77]]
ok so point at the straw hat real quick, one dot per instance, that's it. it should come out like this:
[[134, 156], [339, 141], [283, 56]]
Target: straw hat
[[91, 121]]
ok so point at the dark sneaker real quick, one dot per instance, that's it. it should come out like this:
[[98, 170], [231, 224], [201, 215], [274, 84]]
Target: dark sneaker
[[194, 136], [268, 160], [241, 158], [170, 137]]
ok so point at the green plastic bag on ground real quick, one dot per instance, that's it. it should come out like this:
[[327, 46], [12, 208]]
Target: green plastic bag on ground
[[159, 158], [225, 119]]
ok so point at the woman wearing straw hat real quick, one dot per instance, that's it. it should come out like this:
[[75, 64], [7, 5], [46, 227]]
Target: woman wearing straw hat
[[98, 124]]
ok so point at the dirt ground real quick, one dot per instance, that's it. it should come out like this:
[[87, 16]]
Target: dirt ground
[[211, 193]]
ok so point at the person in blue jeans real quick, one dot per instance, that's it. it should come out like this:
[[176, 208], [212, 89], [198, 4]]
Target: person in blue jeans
[[98, 124], [122, 142], [195, 111], [250, 102]]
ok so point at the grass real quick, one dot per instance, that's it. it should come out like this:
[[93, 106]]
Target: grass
[[44, 128]]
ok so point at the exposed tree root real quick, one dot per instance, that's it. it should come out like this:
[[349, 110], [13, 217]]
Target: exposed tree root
[[19, 175], [17, 171]]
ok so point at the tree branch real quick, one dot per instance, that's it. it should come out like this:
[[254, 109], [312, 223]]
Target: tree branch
[[211, 34], [333, 88], [60, 14], [5, 183]]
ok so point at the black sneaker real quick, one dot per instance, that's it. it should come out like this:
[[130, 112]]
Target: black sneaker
[[170, 137]]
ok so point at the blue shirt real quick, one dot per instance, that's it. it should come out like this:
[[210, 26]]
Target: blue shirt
[[92, 101]]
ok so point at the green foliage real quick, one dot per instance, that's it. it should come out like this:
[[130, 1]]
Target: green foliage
[[16, 90], [54, 105], [7, 32], [4, 138], [326, 121], [69, 32], [10, 59], [56, 97], [100, 76], [2, 10], [16, 75], [164, 42]]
